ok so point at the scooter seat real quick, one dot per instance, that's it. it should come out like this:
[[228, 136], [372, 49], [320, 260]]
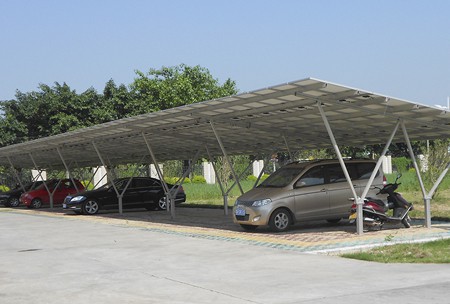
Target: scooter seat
[[377, 201]]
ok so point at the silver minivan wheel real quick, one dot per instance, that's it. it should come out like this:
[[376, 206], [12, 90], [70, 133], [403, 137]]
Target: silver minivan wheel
[[280, 220]]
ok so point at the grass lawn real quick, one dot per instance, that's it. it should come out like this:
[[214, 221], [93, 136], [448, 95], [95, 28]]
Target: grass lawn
[[431, 252]]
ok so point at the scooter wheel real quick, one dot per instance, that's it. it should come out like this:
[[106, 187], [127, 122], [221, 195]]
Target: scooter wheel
[[406, 222]]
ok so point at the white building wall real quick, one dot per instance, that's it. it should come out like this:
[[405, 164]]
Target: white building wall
[[258, 166], [154, 172], [208, 173], [98, 177], [387, 164], [36, 176]]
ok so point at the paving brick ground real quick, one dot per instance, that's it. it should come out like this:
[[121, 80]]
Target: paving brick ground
[[212, 224]]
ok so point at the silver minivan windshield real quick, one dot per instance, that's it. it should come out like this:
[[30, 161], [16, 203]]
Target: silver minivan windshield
[[281, 178]]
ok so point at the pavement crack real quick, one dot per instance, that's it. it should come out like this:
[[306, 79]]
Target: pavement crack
[[203, 288]]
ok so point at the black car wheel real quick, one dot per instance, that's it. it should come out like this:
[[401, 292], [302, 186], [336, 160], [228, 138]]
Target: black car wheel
[[13, 202], [162, 203], [280, 220], [90, 207], [36, 203]]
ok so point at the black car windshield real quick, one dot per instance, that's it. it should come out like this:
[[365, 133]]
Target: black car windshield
[[281, 177]]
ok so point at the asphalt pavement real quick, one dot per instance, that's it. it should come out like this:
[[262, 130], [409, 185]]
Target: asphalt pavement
[[201, 257]]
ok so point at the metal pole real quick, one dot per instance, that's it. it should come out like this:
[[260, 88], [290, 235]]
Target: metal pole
[[289, 151], [426, 198], [377, 166], [50, 194], [188, 170], [359, 200], [119, 198], [439, 180], [224, 195], [226, 156], [240, 176], [67, 168], [15, 174], [161, 177]]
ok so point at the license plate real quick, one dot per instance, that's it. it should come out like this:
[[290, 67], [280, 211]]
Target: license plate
[[352, 216], [240, 211], [64, 206]]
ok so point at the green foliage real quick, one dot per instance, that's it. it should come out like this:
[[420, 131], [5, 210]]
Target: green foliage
[[57, 109], [430, 252], [436, 161], [401, 163], [87, 185], [175, 86], [198, 179], [252, 178], [4, 188]]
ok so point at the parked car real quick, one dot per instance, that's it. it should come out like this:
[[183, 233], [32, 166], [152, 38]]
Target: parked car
[[60, 188], [142, 192], [11, 197], [304, 191]]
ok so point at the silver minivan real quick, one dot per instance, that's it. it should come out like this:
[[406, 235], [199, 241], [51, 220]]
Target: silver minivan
[[304, 191]]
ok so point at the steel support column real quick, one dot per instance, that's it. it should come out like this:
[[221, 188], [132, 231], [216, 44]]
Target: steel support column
[[171, 201], [359, 201], [67, 168], [287, 147], [426, 198], [15, 174], [380, 160], [224, 194], [227, 159], [119, 196], [50, 194]]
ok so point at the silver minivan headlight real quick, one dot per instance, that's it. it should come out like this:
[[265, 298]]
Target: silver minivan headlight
[[260, 203]]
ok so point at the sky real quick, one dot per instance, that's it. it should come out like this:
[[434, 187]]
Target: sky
[[397, 48]]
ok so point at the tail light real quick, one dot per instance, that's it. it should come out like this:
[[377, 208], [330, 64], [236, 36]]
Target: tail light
[[384, 180]]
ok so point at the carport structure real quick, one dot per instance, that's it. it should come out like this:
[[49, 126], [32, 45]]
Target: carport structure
[[299, 115]]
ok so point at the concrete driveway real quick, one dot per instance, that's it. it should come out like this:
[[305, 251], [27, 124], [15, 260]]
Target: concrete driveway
[[52, 257]]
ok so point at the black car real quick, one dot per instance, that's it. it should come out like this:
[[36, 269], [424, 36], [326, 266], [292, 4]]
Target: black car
[[141, 192], [11, 197]]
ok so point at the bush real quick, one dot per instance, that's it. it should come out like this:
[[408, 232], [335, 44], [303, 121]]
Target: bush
[[4, 188], [401, 164], [198, 179], [252, 178], [173, 180], [87, 185]]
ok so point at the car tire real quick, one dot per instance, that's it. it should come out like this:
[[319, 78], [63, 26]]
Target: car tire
[[90, 207], [13, 202], [280, 220], [162, 203], [36, 203], [334, 220], [249, 227]]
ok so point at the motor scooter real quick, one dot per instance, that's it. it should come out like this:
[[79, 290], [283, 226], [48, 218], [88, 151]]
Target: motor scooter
[[375, 211]]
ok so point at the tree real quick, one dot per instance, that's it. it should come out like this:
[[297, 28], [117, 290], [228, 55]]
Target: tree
[[176, 86], [57, 109]]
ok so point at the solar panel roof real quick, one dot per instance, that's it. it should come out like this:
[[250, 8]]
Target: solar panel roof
[[257, 122]]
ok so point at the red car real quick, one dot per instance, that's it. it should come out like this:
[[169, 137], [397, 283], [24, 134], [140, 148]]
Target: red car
[[60, 189]]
